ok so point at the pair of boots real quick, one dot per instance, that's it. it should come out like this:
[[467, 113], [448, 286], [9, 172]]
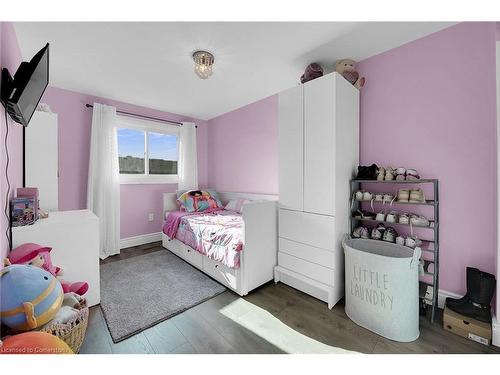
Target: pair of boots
[[476, 303]]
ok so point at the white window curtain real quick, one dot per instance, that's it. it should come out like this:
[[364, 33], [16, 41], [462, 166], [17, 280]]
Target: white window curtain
[[188, 158], [103, 189]]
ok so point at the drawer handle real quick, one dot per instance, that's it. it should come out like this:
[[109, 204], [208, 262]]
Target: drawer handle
[[216, 266], [189, 250]]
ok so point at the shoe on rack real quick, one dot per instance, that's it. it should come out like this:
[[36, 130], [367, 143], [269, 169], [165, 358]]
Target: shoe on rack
[[367, 196], [381, 174], [417, 196], [412, 175], [378, 232], [403, 195], [380, 216], [400, 240], [388, 198], [389, 174], [367, 172], [389, 235], [413, 242], [419, 220], [360, 214], [379, 198], [400, 174], [358, 195], [480, 290], [392, 217], [404, 219], [361, 232]]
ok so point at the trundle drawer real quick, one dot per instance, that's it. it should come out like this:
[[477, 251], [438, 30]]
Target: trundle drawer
[[187, 253], [225, 275], [312, 254], [314, 271], [311, 229]]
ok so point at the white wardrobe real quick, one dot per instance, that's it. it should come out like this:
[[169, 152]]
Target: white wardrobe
[[318, 155]]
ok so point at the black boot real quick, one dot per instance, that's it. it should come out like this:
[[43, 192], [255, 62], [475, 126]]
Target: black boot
[[473, 281], [478, 305]]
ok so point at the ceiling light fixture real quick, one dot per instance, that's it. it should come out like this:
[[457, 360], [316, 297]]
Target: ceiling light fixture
[[203, 64]]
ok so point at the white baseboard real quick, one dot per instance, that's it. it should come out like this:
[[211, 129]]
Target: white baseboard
[[139, 240], [495, 331], [443, 294]]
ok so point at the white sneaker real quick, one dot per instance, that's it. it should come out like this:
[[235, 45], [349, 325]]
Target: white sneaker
[[367, 196], [417, 196], [392, 217], [381, 174], [400, 240], [413, 242], [388, 198], [404, 219], [419, 221], [380, 216], [358, 195], [403, 195]]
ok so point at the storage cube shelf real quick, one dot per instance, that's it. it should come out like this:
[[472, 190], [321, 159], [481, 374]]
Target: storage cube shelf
[[430, 247]]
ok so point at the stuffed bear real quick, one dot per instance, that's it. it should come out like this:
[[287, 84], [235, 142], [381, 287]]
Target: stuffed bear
[[346, 67], [312, 71], [39, 256]]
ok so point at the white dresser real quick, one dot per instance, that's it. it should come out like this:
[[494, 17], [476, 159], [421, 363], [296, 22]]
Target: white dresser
[[74, 238], [318, 155]]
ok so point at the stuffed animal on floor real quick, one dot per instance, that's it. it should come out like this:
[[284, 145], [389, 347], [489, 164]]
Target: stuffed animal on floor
[[346, 67], [29, 297], [39, 256], [312, 71]]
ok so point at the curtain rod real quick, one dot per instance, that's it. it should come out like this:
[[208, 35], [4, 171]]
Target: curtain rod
[[142, 116]]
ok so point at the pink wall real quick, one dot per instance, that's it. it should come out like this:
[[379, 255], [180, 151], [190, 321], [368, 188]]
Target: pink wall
[[137, 201], [10, 57], [243, 147], [431, 105]]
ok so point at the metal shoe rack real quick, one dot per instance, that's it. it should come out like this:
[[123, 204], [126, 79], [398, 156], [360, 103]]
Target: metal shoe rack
[[430, 246]]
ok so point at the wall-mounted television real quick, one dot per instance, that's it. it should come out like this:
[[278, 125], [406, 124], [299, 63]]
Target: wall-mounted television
[[20, 95]]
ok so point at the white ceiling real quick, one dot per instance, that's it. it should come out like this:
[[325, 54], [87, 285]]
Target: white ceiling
[[150, 64]]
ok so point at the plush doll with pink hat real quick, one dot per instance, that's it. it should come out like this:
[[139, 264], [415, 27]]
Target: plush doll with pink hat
[[39, 256]]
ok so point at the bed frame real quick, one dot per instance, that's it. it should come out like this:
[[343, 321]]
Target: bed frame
[[260, 243]]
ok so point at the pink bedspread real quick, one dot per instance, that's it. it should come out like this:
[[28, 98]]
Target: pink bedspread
[[217, 234]]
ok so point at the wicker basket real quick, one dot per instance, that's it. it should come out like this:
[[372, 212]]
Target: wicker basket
[[72, 332]]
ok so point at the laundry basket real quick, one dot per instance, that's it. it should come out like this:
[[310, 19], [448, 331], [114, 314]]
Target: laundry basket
[[381, 287]]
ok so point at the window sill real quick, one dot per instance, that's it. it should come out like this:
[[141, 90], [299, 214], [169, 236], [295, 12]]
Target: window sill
[[145, 180]]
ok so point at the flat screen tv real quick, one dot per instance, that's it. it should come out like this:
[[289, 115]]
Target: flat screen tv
[[20, 95]]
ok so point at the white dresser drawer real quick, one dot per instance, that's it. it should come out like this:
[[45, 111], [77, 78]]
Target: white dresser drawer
[[311, 229], [325, 258], [311, 270], [220, 272]]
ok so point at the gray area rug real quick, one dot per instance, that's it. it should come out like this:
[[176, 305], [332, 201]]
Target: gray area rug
[[139, 292]]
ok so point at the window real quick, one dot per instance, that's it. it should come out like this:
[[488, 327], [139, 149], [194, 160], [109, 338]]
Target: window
[[148, 152]]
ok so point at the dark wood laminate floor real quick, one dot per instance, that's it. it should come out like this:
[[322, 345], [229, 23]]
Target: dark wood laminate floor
[[272, 319]]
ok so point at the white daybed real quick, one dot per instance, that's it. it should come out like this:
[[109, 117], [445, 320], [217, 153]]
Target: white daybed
[[260, 243]]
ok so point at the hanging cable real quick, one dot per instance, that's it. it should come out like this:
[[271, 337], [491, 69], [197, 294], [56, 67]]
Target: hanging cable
[[7, 195]]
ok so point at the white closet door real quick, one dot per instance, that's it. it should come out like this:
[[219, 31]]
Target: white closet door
[[41, 159], [319, 146], [291, 144]]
